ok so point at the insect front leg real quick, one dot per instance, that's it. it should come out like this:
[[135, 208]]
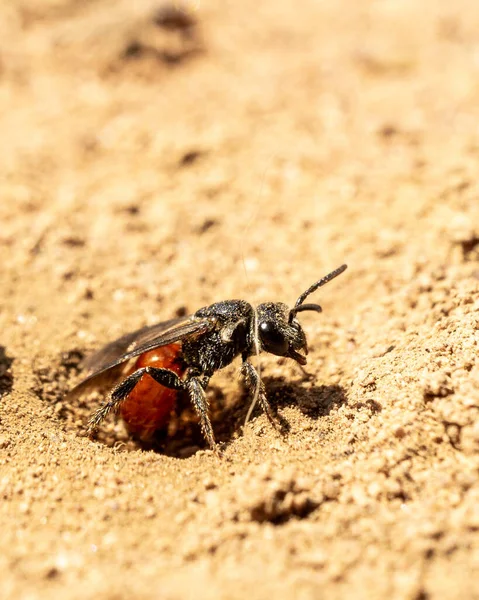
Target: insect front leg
[[256, 386], [196, 385], [165, 377]]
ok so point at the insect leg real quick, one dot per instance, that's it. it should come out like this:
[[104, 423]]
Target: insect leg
[[164, 377], [196, 390], [253, 382]]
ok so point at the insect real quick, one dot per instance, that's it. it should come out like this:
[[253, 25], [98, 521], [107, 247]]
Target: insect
[[155, 363]]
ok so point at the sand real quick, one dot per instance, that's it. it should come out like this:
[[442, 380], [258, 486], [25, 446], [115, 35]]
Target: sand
[[151, 165]]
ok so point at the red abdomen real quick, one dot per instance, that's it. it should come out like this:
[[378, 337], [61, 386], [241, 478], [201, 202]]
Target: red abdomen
[[148, 407]]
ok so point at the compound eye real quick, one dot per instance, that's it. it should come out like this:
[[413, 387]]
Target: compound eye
[[272, 339]]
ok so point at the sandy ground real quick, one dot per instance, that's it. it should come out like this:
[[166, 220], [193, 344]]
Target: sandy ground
[[150, 167]]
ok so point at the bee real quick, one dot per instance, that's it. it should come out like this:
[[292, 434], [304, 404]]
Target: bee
[[151, 366]]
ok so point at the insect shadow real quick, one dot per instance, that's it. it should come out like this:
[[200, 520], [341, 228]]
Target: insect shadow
[[313, 401], [6, 377]]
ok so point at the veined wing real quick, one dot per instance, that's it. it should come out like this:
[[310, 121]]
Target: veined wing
[[107, 365], [109, 354]]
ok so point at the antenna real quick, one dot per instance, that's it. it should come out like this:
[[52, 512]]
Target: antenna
[[299, 306]]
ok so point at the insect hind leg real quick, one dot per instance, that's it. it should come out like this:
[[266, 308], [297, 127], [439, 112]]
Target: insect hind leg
[[164, 377], [196, 391]]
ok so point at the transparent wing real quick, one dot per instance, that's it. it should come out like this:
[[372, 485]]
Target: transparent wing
[[112, 352], [106, 366]]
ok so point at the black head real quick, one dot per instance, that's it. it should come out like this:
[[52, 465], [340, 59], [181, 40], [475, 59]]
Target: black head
[[278, 329]]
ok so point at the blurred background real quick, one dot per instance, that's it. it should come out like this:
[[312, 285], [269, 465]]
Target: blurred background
[[217, 149]]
